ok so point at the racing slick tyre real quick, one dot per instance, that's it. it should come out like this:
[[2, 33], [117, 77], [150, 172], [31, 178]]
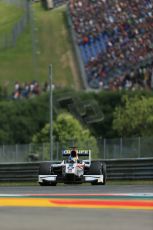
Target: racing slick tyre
[[98, 168], [45, 169]]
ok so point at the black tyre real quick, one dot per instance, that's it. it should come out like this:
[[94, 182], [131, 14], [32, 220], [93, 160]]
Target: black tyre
[[97, 168], [45, 169]]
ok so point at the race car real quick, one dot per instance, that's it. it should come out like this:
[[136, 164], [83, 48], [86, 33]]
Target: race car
[[73, 170]]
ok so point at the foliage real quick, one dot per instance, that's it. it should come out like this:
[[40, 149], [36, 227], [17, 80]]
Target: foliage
[[135, 118], [66, 128], [68, 131], [107, 103], [20, 119]]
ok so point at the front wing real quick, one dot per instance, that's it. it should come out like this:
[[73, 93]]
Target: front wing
[[87, 178]]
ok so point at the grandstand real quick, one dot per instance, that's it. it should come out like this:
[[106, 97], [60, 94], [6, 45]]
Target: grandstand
[[115, 38]]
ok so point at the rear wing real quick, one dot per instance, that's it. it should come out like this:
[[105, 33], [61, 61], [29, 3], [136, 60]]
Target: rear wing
[[80, 152]]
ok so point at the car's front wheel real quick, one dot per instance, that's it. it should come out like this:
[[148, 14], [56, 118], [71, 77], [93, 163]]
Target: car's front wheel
[[45, 169]]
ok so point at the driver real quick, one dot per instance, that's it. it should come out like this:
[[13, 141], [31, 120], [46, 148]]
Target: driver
[[73, 155]]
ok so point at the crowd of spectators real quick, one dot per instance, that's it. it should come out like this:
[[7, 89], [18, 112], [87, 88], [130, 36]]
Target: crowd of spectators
[[115, 38], [28, 90]]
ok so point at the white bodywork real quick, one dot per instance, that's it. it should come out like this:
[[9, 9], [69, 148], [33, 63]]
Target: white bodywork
[[76, 169]]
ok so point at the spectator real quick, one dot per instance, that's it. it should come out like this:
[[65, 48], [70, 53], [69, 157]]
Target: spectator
[[28, 90], [114, 37]]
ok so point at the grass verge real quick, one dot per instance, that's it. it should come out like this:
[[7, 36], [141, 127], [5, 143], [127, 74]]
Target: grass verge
[[50, 43], [9, 15]]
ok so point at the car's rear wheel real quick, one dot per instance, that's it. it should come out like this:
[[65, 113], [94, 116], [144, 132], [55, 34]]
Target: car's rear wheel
[[45, 169]]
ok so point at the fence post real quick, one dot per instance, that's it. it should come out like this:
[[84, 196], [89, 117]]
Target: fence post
[[104, 148], [16, 151], [139, 147], [43, 152], [121, 147], [57, 149], [3, 153], [30, 148], [100, 145], [27, 7]]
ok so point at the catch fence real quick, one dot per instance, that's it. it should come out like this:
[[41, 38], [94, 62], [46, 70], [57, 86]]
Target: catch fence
[[121, 148], [8, 39]]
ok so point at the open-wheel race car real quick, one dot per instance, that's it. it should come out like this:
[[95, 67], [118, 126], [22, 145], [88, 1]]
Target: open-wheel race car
[[73, 169]]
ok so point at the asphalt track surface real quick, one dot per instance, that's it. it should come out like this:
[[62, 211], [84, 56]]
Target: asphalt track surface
[[83, 189], [59, 218]]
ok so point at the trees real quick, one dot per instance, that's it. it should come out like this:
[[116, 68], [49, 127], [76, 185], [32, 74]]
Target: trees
[[20, 119], [135, 118], [68, 131]]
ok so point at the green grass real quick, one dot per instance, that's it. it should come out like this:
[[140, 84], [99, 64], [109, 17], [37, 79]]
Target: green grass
[[9, 15], [53, 46]]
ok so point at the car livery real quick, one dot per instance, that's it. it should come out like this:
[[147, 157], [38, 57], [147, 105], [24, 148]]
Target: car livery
[[73, 170]]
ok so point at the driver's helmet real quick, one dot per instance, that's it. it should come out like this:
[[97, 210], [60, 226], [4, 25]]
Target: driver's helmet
[[74, 155]]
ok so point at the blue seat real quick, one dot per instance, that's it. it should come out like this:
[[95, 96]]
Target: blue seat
[[98, 46], [83, 54], [102, 43], [87, 47], [93, 50]]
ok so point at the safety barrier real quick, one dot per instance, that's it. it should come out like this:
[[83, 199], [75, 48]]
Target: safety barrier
[[130, 169], [133, 169]]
